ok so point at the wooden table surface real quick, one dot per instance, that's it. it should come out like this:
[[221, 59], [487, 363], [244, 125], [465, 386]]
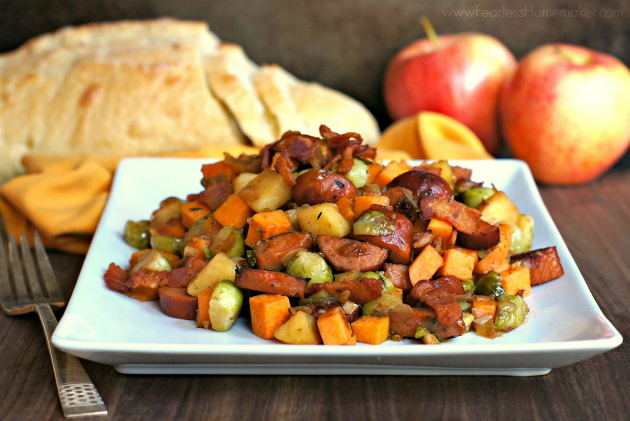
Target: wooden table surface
[[594, 220]]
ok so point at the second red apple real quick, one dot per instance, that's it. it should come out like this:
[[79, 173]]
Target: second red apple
[[460, 75]]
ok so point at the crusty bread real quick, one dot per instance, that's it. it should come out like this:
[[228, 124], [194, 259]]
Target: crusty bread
[[149, 87]]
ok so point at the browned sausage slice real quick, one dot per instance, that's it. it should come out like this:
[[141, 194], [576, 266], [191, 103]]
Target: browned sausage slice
[[175, 302], [271, 282], [367, 289], [399, 275], [402, 201], [422, 184], [322, 186], [270, 252], [473, 232], [544, 264], [403, 320], [399, 242], [346, 255]]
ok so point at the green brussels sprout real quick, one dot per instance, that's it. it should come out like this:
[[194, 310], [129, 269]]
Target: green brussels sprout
[[152, 261], [137, 234], [225, 305], [313, 266], [321, 297], [251, 258], [382, 305], [229, 241], [475, 195], [468, 285], [167, 244], [196, 229], [465, 305], [373, 223], [490, 284], [511, 312], [358, 174], [420, 332], [388, 285], [522, 234]]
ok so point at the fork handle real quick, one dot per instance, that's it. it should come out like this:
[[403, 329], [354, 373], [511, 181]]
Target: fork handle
[[78, 396]]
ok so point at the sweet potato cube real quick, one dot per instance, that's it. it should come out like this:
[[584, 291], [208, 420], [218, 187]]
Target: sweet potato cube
[[234, 212], [268, 313], [391, 171], [371, 330], [363, 203], [300, 329], [193, 211], [425, 265], [441, 229], [495, 260], [516, 279], [346, 208], [334, 327], [267, 224], [351, 341], [203, 308], [505, 233], [484, 304], [457, 264]]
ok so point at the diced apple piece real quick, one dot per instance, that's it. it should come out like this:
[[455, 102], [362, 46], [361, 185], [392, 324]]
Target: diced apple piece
[[499, 209], [221, 267], [300, 329], [324, 219], [267, 192]]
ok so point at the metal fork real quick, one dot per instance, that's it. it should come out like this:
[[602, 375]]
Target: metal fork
[[78, 396]]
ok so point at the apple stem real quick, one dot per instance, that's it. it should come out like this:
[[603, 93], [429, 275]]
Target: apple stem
[[428, 28]]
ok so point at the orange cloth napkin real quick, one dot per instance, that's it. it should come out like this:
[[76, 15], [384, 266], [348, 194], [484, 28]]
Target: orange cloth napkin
[[63, 196]]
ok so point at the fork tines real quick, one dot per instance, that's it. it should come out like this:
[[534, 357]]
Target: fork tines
[[26, 290]]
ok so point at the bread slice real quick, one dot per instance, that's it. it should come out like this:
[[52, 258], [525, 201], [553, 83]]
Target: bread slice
[[304, 106], [153, 87], [230, 75]]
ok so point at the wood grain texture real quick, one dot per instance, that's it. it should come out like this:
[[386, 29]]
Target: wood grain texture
[[594, 220]]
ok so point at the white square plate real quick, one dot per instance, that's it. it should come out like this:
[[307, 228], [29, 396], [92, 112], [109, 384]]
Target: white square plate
[[564, 325]]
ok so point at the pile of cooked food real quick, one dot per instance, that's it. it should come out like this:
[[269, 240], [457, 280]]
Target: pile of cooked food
[[314, 241]]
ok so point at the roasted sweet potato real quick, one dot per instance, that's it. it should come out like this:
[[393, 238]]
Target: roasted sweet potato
[[271, 282], [346, 255], [544, 264]]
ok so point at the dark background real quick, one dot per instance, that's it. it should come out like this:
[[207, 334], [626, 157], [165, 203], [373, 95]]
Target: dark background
[[344, 44]]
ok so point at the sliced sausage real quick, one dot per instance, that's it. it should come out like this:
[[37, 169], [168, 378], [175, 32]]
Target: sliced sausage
[[399, 275], [322, 186], [346, 255], [216, 192], [544, 264], [271, 282], [403, 320], [422, 184], [269, 252], [181, 277], [402, 201], [176, 302], [440, 296], [367, 289], [473, 232], [399, 242]]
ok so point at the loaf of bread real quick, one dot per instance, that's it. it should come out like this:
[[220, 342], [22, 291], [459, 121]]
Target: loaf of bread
[[151, 87]]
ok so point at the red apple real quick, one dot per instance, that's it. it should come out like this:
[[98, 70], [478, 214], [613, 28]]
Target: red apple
[[460, 75], [566, 112]]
